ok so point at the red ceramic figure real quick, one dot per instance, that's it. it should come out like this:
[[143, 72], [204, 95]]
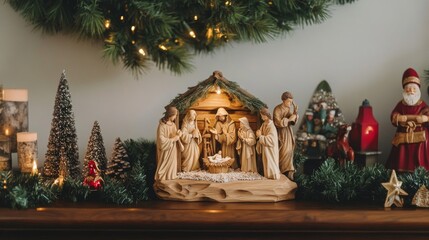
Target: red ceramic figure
[[410, 117], [93, 180]]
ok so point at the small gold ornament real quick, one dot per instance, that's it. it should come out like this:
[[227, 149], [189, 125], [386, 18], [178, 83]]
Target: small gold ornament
[[421, 198], [394, 191]]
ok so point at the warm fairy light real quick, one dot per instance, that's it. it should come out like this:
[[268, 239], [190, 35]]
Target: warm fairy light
[[218, 91], [195, 17], [192, 34], [34, 170], [228, 3], [107, 23], [4, 184], [142, 52], [59, 181], [133, 42], [133, 28], [270, 2], [6, 132], [122, 18], [162, 47]]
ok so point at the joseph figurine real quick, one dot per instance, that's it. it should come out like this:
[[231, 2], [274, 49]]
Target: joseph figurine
[[284, 119]]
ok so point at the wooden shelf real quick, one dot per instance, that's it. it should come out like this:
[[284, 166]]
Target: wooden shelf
[[210, 220]]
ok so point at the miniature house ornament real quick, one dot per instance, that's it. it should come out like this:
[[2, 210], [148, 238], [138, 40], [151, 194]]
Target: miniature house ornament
[[14, 114], [27, 151], [364, 134]]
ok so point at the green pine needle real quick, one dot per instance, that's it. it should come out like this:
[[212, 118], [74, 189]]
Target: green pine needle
[[136, 24]]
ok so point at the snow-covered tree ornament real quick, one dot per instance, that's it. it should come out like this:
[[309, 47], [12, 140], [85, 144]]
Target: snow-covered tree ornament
[[62, 135], [119, 164], [95, 150]]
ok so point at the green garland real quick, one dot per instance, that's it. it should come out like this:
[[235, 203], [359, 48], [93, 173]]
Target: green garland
[[167, 32], [329, 183], [22, 191], [333, 183]]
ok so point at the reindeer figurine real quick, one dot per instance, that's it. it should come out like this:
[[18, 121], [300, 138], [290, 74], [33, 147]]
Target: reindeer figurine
[[341, 149]]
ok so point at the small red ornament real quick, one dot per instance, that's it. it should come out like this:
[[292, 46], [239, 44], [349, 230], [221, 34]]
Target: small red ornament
[[364, 134], [93, 180]]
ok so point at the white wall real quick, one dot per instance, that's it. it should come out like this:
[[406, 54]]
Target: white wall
[[362, 51]]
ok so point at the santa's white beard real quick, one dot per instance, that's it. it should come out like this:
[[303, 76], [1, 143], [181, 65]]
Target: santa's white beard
[[411, 98]]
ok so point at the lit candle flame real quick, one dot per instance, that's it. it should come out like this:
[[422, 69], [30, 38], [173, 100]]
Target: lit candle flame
[[34, 170]]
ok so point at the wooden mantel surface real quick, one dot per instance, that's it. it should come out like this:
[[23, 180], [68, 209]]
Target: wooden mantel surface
[[210, 220]]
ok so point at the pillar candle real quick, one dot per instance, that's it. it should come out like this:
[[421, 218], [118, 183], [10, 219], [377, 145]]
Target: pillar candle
[[27, 150], [14, 114]]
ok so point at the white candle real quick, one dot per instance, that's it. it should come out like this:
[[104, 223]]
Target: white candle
[[15, 95], [27, 151], [26, 137]]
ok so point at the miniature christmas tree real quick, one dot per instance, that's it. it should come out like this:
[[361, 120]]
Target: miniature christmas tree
[[119, 164], [62, 135], [95, 150]]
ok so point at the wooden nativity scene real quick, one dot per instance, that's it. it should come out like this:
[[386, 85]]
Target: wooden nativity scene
[[217, 142]]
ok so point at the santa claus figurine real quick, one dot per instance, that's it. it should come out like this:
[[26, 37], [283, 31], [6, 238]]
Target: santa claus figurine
[[410, 144], [93, 180]]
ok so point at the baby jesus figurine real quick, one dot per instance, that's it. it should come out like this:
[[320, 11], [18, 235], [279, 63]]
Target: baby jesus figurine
[[217, 158]]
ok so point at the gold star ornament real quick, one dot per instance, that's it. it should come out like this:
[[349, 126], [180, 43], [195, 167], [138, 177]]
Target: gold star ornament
[[394, 191]]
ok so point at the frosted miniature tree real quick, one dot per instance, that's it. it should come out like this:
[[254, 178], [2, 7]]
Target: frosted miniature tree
[[95, 150], [119, 164], [62, 135]]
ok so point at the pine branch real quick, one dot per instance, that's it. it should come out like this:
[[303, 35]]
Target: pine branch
[[131, 27]]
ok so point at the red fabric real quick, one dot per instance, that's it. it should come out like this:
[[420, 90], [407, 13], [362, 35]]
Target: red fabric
[[407, 156]]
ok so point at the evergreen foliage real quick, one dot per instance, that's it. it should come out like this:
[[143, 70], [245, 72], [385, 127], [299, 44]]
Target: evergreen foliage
[[62, 135], [119, 163], [168, 32], [95, 150], [142, 154]]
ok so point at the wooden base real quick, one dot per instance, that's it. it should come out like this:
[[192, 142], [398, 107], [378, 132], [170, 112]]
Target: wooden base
[[238, 191]]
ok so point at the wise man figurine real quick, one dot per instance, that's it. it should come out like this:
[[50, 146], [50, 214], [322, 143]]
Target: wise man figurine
[[410, 146]]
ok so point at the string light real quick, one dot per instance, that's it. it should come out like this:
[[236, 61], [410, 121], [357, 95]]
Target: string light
[[191, 32], [142, 52], [4, 184], [121, 18], [195, 17], [107, 23], [162, 47], [228, 3], [270, 2], [133, 42], [133, 28]]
